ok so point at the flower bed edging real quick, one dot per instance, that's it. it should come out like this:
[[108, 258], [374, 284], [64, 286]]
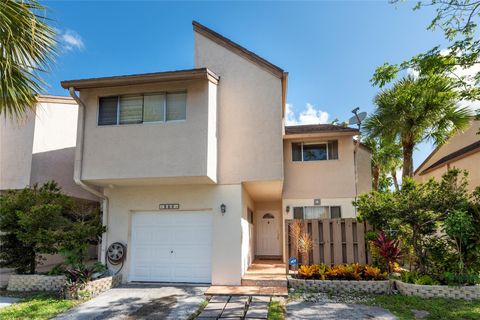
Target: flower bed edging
[[35, 282], [95, 287], [379, 287], [438, 291]]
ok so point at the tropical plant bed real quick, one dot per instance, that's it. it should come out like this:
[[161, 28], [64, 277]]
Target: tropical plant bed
[[366, 286], [93, 288], [438, 291]]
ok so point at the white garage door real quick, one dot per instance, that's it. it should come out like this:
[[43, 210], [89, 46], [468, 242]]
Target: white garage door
[[171, 247]]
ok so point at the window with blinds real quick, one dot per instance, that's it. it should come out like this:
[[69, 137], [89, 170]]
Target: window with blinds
[[315, 151], [317, 212], [131, 109]]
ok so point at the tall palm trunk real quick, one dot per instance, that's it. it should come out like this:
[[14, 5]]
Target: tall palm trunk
[[395, 180], [407, 159], [376, 177]]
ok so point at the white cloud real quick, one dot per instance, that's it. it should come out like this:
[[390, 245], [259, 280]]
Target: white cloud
[[309, 115], [70, 40]]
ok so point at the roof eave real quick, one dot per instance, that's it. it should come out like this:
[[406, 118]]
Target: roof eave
[[326, 134], [168, 76]]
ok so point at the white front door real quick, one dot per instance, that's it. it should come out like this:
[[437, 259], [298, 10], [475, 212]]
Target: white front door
[[268, 233], [171, 247]]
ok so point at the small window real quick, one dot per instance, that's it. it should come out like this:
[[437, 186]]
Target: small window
[[108, 109], [315, 151], [298, 213], [335, 212]]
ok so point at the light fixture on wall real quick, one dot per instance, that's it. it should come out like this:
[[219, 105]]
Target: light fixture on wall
[[223, 208], [287, 209]]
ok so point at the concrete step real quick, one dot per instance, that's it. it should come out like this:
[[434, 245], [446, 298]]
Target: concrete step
[[266, 280], [246, 291]]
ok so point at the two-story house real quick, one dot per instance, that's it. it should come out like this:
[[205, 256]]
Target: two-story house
[[196, 170]]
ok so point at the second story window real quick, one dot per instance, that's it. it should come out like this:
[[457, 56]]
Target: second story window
[[315, 151], [128, 109]]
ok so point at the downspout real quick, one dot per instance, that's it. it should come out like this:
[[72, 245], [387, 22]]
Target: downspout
[[77, 172]]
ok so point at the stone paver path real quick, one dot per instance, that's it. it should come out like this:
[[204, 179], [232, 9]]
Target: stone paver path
[[335, 311], [236, 307]]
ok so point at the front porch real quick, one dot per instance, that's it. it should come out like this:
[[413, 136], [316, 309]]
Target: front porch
[[263, 278]]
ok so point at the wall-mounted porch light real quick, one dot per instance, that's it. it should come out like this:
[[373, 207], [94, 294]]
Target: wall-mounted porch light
[[287, 209], [223, 208]]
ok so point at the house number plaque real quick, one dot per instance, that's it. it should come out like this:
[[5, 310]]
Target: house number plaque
[[164, 206]]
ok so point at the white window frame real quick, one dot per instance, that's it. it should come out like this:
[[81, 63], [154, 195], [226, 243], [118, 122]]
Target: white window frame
[[307, 143]]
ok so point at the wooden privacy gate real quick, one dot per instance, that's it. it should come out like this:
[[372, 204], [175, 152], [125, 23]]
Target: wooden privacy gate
[[335, 241]]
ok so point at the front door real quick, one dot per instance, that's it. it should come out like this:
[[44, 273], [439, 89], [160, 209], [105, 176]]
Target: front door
[[268, 233]]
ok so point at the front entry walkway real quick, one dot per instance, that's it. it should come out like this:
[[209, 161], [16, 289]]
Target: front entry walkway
[[238, 307], [263, 278]]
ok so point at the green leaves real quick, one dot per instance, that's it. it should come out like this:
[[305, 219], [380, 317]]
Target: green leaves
[[28, 48]]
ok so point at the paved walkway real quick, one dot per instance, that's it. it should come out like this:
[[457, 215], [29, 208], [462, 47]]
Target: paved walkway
[[134, 301], [6, 301], [236, 307], [298, 310]]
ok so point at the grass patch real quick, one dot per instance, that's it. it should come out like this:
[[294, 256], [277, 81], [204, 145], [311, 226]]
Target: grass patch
[[438, 308], [37, 306], [276, 310]]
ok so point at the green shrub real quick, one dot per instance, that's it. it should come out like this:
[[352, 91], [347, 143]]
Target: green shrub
[[57, 270], [426, 280]]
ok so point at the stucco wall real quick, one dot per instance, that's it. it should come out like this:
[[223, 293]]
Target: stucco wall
[[364, 167], [249, 115], [226, 229], [150, 150], [320, 179], [16, 143]]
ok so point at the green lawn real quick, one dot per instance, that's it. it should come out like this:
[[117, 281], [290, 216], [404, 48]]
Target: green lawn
[[438, 308], [276, 310], [37, 306]]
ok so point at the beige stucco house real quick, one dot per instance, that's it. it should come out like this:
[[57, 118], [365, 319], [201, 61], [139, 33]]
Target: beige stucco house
[[461, 151], [196, 170]]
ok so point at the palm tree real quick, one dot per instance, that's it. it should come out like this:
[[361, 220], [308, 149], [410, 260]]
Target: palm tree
[[386, 159], [414, 110], [27, 47]]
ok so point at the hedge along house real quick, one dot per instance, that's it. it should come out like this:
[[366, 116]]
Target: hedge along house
[[40, 148], [190, 163]]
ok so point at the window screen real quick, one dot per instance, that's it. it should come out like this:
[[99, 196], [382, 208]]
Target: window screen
[[131, 109], [317, 212], [153, 107], [335, 212], [176, 106], [298, 213], [333, 150], [296, 151], [107, 113], [312, 152]]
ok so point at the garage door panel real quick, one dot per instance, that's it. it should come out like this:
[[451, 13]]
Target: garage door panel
[[171, 247]]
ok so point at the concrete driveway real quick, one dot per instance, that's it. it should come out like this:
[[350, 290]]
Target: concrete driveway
[[135, 301]]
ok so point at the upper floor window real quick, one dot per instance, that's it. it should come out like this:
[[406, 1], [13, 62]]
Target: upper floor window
[[315, 151], [155, 107]]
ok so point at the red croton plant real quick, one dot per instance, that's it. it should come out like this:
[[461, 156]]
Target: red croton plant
[[389, 249]]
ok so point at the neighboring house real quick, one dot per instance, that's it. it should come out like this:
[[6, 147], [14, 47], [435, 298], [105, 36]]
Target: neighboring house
[[41, 148], [196, 168], [461, 151]]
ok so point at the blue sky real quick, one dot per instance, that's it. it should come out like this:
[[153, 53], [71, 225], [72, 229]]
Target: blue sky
[[330, 49]]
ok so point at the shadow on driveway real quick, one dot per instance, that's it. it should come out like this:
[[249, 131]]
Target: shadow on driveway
[[140, 301]]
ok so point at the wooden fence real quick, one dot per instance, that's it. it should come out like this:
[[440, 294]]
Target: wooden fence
[[335, 241]]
